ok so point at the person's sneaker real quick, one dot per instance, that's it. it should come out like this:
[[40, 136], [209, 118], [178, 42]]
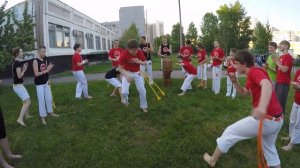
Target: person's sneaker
[[144, 110], [181, 94]]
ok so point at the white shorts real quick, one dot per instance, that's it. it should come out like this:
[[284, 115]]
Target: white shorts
[[115, 82], [21, 91]]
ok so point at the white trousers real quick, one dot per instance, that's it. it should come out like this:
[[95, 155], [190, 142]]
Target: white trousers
[[139, 83], [201, 71], [247, 128], [187, 82], [216, 79], [148, 67], [115, 82], [44, 98], [231, 90], [294, 128], [82, 85]]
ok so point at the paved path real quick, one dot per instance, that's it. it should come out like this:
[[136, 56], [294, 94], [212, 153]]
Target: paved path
[[98, 76]]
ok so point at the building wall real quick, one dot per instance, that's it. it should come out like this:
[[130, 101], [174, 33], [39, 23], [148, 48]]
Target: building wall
[[133, 14]]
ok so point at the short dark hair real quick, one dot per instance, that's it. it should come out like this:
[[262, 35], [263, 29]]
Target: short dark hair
[[200, 45], [273, 44], [245, 58], [15, 52], [143, 37], [116, 40], [76, 46], [42, 47], [132, 43], [188, 42]]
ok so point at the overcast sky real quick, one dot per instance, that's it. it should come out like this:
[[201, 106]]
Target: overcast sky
[[282, 14]]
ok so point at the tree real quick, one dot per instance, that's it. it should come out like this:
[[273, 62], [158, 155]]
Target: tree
[[24, 33], [5, 57], [130, 33], [209, 29], [192, 33], [261, 37], [175, 37], [234, 26]]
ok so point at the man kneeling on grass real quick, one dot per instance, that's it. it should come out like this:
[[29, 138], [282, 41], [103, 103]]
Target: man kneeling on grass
[[191, 73], [129, 65]]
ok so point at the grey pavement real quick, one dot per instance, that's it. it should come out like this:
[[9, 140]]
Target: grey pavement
[[176, 74]]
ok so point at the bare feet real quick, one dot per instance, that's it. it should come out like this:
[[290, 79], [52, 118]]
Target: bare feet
[[207, 158], [53, 114], [285, 138], [21, 122], [44, 121], [287, 147], [88, 97], [7, 166], [144, 110], [14, 156], [125, 102], [181, 94], [113, 95], [28, 116]]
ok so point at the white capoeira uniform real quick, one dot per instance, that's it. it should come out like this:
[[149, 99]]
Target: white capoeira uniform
[[217, 69], [111, 77], [201, 71], [82, 84], [148, 67]]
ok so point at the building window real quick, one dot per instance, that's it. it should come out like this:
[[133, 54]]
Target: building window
[[103, 44], [109, 44], [79, 37], [90, 41], [59, 36], [98, 43]]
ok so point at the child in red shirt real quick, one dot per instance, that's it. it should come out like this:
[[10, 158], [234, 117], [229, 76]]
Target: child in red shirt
[[231, 91], [191, 73]]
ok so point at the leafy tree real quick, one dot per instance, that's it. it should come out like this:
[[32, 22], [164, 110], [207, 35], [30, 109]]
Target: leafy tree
[[261, 38], [210, 30], [130, 33], [4, 37], [192, 33], [175, 37], [245, 33]]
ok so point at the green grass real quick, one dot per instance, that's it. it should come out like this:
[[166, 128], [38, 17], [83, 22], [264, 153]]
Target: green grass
[[102, 133], [104, 67]]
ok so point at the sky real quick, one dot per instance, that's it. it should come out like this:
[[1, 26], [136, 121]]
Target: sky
[[280, 14]]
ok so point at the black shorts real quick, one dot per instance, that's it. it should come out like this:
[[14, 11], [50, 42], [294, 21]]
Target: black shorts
[[2, 126]]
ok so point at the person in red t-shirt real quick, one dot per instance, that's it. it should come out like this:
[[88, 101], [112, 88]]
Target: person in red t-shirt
[[77, 66], [115, 53], [294, 128], [191, 73], [231, 91], [186, 53], [202, 66], [283, 78], [265, 106], [217, 56], [129, 65]]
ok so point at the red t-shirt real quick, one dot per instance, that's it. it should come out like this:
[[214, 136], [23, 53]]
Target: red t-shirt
[[219, 53], [254, 77], [297, 92], [186, 53], [230, 67], [189, 68], [113, 54], [201, 55], [285, 78], [126, 60], [76, 59]]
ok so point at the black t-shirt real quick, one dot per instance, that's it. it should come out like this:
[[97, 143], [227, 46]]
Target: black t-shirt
[[42, 66], [147, 55], [164, 48], [15, 65], [112, 73]]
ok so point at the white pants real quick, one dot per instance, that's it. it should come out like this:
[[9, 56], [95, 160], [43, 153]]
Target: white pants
[[247, 128], [44, 98], [216, 79], [82, 85], [231, 90], [139, 83], [294, 128], [115, 82], [148, 66], [187, 82], [201, 71], [21, 91]]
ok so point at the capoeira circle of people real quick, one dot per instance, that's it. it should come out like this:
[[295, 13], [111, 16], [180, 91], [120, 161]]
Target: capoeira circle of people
[[269, 95]]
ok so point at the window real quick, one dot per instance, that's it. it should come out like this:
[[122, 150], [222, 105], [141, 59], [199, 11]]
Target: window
[[103, 44], [79, 38], [90, 41], [59, 36], [109, 44], [98, 43]]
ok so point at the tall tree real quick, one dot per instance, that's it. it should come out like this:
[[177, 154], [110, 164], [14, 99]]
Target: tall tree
[[192, 33], [245, 33], [261, 38], [175, 37], [130, 33], [5, 57], [210, 30]]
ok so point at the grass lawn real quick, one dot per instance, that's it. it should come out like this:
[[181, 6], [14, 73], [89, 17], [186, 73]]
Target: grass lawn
[[102, 133], [104, 67]]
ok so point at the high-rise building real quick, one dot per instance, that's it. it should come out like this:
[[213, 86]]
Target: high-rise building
[[132, 14], [113, 26]]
